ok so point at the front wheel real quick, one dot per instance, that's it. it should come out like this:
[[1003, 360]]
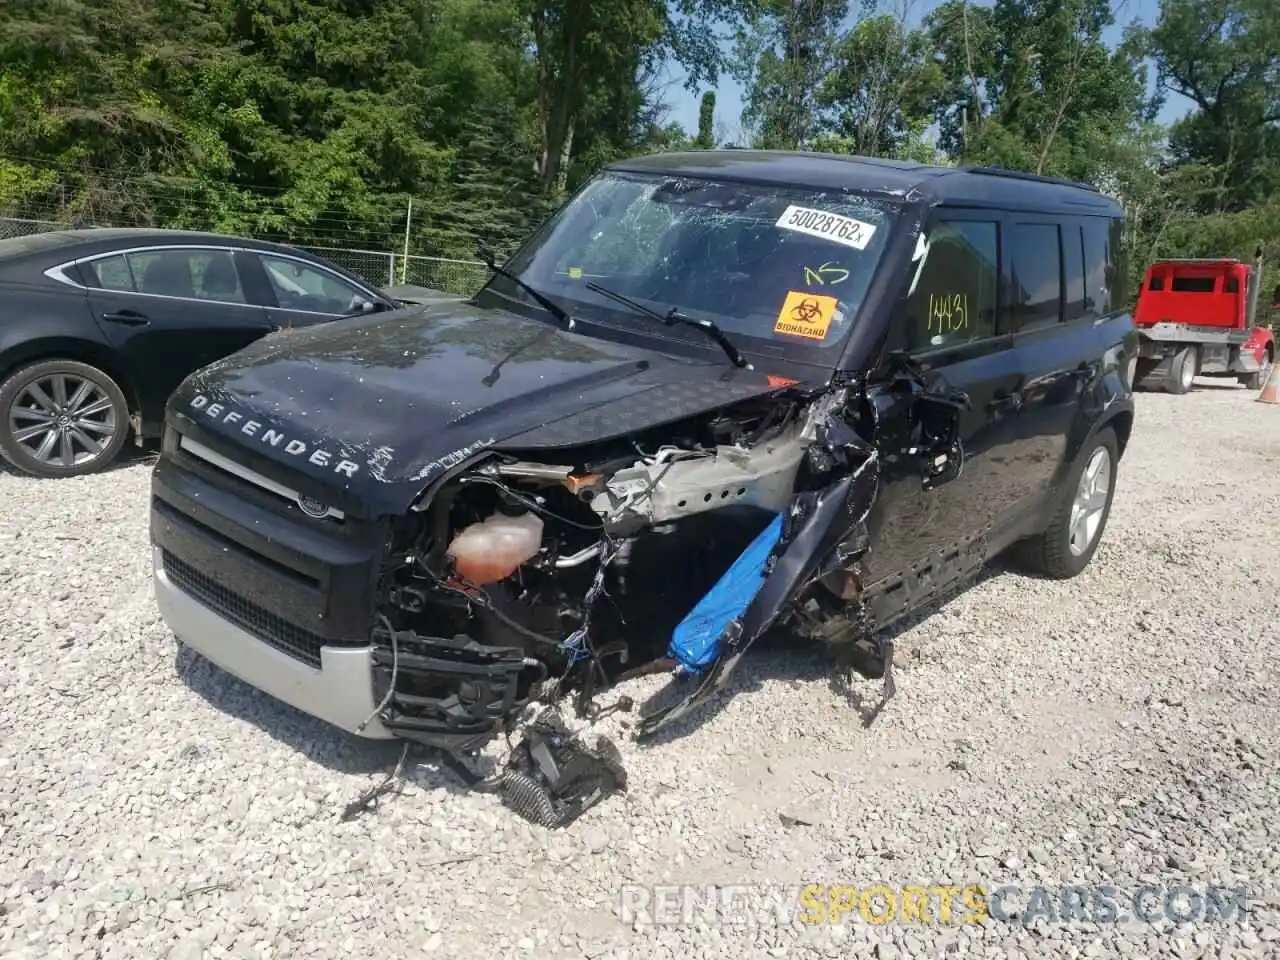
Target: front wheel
[[1067, 544], [61, 418]]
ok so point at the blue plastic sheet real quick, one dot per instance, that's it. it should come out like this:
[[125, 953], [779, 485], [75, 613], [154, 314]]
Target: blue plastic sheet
[[695, 642]]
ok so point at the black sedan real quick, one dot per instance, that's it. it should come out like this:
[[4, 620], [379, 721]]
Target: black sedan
[[97, 327]]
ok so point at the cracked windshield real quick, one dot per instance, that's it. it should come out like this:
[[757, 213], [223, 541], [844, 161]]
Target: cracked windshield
[[761, 262]]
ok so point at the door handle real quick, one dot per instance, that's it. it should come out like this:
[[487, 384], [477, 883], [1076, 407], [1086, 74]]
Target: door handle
[[130, 318]]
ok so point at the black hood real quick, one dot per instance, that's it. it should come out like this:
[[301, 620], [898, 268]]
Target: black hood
[[379, 406]]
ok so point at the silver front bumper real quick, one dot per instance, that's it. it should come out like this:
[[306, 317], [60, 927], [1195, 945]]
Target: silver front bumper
[[340, 692]]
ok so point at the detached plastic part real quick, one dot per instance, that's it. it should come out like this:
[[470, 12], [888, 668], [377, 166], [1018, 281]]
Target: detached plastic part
[[552, 778], [695, 642]]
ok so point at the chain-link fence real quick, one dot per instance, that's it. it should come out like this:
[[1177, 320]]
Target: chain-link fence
[[392, 269], [376, 267], [20, 227]]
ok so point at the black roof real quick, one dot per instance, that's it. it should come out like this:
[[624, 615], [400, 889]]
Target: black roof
[[971, 186]]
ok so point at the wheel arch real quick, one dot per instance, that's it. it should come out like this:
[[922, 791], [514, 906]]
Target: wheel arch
[[1117, 415], [80, 351], [1122, 423]]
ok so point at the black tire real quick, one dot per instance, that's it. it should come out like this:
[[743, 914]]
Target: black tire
[[18, 406], [1049, 553], [1258, 379], [1186, 360]]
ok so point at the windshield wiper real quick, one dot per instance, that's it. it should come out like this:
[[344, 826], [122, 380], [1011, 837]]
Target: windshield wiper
[[560, 313], [674, 316]]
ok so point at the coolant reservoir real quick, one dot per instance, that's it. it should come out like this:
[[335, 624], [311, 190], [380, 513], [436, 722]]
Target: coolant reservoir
[[491, 550]]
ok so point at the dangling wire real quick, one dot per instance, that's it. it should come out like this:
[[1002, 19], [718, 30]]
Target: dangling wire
[[578, 645]]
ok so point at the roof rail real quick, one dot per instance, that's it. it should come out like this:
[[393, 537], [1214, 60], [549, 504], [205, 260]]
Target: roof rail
[[1033, 177]]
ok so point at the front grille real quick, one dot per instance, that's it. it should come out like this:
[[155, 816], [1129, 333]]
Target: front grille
[[266, 626], [228, 470]]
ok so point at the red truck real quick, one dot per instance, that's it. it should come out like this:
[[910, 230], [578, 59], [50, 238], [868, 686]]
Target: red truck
[[1197, 318]]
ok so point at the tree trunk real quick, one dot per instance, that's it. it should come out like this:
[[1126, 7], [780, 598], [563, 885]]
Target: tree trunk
[[560, 93]]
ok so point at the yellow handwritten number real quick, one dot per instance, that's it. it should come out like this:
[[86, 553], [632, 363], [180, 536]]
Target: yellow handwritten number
[[812, 276], [948, 313]]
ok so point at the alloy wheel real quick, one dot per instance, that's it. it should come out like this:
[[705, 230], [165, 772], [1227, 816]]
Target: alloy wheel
[[1090, 502], [63, 419]]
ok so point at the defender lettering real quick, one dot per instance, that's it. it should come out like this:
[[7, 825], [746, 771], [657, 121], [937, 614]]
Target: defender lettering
[[296, 448]]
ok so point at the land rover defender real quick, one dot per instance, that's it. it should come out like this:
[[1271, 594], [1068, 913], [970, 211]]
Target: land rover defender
[[716, 393]]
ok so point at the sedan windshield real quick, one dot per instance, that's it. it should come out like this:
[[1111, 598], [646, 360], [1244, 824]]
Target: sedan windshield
[[770, 266]]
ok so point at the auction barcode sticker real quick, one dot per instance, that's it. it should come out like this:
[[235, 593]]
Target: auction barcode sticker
[[828, 226]]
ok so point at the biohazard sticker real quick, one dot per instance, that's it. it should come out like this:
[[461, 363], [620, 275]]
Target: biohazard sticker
[[828, 226], [806, 315]]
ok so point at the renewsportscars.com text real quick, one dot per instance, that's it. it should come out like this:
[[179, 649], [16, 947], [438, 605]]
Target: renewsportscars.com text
[[927, 903]]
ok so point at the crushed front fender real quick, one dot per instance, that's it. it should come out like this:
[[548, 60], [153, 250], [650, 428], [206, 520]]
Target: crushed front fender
[[820, 521]]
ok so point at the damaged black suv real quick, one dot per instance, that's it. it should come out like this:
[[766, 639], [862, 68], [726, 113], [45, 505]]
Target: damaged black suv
[[716, 394]]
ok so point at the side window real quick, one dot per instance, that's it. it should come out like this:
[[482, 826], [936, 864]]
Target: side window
[[1097, 262], [955, 296], [110, 273], [300, 286], [192, 274], [1117, 266], [1073, 267], [1037, 272]]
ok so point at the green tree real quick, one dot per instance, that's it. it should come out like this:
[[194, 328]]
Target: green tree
[[878, 98], [1036, 85], [1224, 56], [706, 121], [782, 53]]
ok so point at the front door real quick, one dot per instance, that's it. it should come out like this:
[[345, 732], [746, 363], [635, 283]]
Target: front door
[[170, 311], [951, 324]]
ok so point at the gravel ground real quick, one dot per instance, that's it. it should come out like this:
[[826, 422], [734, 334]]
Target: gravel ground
[[1118, 729]]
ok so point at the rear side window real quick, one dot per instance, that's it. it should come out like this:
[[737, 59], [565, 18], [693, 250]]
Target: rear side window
[[955, 297], [111, 273], [1073, 268], [1117, 265], [1098, 260], [1037, 274]]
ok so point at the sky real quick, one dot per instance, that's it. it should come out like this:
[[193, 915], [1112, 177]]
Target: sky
[[684, 105]]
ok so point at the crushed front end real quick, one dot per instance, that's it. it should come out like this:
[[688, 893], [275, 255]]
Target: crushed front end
[[518, 574], [518, 579]]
